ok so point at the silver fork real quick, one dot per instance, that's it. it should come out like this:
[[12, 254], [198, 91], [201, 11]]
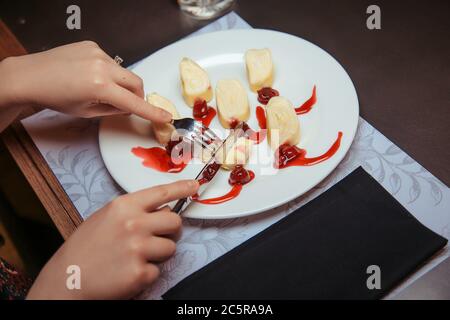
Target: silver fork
[[196, 131]]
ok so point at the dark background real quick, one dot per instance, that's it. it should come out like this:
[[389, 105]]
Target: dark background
[[401, 72]]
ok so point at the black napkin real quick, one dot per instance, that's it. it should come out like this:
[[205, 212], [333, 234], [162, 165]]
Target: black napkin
[[322, 250]]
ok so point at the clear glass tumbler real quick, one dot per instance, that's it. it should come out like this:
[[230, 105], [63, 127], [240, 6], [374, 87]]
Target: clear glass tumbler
[[205, 9]]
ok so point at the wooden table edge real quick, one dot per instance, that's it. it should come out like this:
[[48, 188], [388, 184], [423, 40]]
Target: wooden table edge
[[30, 160]]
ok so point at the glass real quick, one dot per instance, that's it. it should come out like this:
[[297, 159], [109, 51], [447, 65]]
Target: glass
[[205, 9]]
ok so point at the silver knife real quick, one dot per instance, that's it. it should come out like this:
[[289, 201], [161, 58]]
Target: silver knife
[[182, 204]]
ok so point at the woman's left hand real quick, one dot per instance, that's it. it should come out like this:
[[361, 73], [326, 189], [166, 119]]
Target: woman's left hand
[[78, 79]]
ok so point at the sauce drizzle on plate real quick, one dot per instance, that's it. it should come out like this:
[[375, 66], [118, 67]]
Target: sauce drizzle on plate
[[238, 178], [288, 156], [202, 112], [163, 159], [308, 104]]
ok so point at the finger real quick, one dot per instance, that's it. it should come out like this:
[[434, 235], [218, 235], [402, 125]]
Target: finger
[[173, 234], [128, 80], [125, 100], [151, 273], [101, 109], [152, 198], [165, 209], [159, 249], [161, 223]]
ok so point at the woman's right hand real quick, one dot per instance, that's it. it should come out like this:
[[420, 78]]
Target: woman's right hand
[[118, 248]]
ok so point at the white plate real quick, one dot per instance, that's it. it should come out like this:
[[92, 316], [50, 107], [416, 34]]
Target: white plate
[[299, 65]]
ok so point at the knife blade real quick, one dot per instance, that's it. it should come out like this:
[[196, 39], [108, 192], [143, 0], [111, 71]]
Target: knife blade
[[210, 168]]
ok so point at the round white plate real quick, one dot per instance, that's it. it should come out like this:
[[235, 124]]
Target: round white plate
[[299, 65]]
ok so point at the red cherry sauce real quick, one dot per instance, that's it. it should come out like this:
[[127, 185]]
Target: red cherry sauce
[[238, 177], [308, 104], [160, 159], [234, 123], [288, 156], [266, 93], [256, 136], [209, 173], [202, 112], [261, 117]]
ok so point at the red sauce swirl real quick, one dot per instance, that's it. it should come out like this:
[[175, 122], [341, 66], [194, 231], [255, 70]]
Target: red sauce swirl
[[288, 156]]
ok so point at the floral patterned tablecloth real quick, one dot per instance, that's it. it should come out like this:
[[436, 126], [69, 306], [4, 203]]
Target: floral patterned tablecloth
[[70, 146]]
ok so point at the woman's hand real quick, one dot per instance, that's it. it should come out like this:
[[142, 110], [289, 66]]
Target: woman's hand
[[118, 248], [78, 79]]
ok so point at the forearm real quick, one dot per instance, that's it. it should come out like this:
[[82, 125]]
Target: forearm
[[7, 116], [11, 101]]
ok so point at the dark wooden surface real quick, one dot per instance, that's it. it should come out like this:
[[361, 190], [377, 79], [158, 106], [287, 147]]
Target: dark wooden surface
[[30, 161], [402, 72]]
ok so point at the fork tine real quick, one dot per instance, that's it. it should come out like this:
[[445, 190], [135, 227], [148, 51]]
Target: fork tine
[[211, 145], [200, 133], [197, 133], [205, 137], [208, 132], [201, 142], [211, 135]]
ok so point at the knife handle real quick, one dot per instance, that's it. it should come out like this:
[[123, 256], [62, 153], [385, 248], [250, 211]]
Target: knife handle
[[181, 205]]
